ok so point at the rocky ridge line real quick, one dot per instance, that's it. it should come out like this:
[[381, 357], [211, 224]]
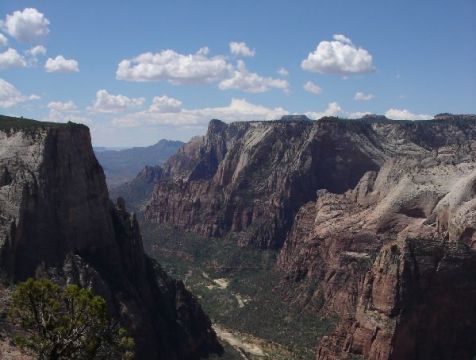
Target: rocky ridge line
[[374, 218]]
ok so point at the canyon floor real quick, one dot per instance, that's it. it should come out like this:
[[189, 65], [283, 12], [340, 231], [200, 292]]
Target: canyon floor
[[242, 293]]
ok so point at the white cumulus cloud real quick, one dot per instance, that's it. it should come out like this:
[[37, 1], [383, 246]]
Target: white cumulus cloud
[[64, 111], [342, 38], [241, 110], [64, 116], [312, 88], [403, 114], [3, 40], [339, 56], [333, 109], [62, 106], [11, 96], [60, 64], [237, 110], [33, 54], [28, 25], [165, 104], [360, 96], [247, 81], [37, 50], [241, 49], [358, 114], [283, 71], [168, 65], [11, 58], [107, 103]]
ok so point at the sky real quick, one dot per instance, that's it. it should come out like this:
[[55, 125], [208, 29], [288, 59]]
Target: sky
[[136, 72]]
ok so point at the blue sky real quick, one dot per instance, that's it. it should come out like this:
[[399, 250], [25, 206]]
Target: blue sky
[[407, 59]]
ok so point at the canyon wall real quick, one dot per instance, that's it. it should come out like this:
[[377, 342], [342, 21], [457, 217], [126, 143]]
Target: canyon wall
[[374, 219], [248, 180], [56, 220]]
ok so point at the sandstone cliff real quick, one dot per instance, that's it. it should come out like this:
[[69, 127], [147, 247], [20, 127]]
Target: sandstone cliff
[[375, 218], [56, 218], [250, 179]]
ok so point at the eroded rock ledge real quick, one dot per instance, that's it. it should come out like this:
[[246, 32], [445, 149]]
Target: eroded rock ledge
[[374, 218]]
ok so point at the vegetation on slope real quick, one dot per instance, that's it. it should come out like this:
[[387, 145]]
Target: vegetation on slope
[[240, 291], [15, 123], [65, 323], [136, 193]]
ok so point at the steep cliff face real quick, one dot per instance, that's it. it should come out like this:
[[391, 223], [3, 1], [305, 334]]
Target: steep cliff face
[[415, 302], [395, 255], [374, 218], [250, 179], [56, 218], [138, 191]]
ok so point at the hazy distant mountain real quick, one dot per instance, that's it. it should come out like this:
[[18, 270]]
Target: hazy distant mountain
[[121, 166]]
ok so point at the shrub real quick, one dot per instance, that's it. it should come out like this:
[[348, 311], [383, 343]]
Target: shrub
[[66, 323]]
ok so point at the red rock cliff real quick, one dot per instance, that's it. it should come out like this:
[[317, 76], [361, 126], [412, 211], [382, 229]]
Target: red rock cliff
[[374, 218]]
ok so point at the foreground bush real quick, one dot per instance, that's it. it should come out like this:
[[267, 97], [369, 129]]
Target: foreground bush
[[66, 323]]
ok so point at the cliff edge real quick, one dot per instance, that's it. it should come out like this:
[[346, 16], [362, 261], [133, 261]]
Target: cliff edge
[[56, 219]]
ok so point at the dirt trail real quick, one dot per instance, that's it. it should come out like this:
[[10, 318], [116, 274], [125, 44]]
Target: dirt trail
[[236, 341]]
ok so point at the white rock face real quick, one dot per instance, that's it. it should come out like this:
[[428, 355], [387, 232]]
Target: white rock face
[[20, 160], [52, 196]]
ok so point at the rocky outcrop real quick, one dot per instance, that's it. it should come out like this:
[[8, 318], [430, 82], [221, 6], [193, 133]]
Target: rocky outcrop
[[415, 302], [138, 191], [375, 220], [249, 179], [56, 219], [395, 256]]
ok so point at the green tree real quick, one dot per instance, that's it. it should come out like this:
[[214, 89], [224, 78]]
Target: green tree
[[66, 323]]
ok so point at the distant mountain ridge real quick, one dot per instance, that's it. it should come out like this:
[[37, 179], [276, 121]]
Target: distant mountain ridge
[[123, 165], [139, 190]]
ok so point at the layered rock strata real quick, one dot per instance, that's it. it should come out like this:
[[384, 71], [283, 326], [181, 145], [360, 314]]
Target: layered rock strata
[[374, 218]]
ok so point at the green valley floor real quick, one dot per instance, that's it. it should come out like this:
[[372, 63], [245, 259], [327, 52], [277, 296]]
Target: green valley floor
[[242, 293]]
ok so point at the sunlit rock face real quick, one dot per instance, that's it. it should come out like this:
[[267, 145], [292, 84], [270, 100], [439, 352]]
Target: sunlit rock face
[[250, 179], [375, 218], [395, 256], [56, 219]]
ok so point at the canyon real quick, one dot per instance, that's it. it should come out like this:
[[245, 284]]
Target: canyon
[[362, 232], [373, 219]]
